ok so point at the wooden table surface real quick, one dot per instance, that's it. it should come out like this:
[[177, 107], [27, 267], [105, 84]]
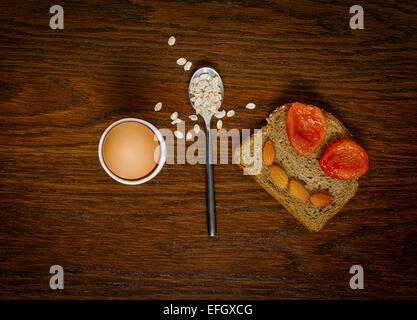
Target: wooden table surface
[[59, 90]]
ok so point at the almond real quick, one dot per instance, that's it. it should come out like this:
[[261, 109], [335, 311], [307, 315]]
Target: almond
[[321, 199], [268, 153], [298, 190], [279, 176]]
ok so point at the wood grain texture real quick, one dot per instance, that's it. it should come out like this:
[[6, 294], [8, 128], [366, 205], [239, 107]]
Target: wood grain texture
[[59, 89]]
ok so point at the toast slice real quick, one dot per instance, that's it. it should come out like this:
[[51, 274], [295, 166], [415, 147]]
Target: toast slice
[[304, 169]]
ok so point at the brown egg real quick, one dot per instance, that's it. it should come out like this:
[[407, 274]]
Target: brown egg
[[130, 149]]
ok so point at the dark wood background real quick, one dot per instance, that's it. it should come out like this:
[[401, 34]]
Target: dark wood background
[[59, 89]]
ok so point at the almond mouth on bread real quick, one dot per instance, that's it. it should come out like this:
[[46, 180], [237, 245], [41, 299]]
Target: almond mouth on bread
[[304, 169]]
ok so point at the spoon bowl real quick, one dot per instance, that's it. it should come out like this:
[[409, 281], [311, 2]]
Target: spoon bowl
[[212, 73]]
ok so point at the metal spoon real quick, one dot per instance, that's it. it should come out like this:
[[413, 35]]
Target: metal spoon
[[211, 203]]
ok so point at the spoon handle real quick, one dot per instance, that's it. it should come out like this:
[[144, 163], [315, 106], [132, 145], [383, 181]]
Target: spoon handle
[[211, 203]]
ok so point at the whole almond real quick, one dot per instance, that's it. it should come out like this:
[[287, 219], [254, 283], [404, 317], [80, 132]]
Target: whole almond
[[298, 190], [268, 153], [321, 199], [279, 176]]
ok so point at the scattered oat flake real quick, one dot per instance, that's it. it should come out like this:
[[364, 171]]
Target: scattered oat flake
[[158, 106], [251, 106], [181, 61], [196, 129], [230, 113], [179, 134], [174, 122], [174, 116], [189, 136], [219, 124], [188, 66], [171, 40], [220, 114], [193, 117]]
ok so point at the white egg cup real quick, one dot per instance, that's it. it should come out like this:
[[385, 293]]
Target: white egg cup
[[162, 156]]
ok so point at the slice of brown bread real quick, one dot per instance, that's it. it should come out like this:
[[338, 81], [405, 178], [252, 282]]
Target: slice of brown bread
[[304, 169]]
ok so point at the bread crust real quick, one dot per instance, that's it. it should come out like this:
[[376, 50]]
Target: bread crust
[[277, 194]]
